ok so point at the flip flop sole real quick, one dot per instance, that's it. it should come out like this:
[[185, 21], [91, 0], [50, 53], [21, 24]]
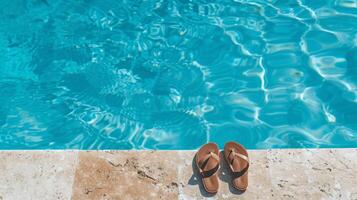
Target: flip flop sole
[[211, 183], [240, 183]]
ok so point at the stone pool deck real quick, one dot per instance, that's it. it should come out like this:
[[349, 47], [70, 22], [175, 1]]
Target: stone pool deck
[[274, 174]]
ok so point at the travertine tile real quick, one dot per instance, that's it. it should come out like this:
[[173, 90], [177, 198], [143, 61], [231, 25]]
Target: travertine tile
[[312, 174], [288, 171], [322, 171], [346, 172], [126, 175], [36, 175]]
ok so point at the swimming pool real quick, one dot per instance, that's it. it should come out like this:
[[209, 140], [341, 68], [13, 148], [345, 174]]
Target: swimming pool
[[107, 74]]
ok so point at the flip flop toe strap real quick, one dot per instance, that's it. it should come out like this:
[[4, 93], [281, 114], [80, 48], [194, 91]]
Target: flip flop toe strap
[[235, 155], [212, 171], [237, 174]]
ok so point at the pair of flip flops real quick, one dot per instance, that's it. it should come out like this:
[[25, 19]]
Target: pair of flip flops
[[207, 161]]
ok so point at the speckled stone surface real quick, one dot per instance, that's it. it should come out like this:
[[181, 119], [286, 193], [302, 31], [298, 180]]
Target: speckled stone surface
[[36, 174], [125, 175], [111, 175]]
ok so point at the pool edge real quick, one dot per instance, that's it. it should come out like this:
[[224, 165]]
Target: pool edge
[[167, 174]]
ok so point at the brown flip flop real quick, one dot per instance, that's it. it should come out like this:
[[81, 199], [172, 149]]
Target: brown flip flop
[[207, 162], [237, 158]]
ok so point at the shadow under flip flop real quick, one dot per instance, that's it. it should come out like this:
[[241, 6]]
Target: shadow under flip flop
[[226, 176], [196, 180]]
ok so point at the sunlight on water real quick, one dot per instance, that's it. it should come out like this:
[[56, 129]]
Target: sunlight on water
[[106, 74]]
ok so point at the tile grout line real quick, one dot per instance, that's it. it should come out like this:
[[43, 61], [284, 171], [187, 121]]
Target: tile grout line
[[179, 175], [76, 163]]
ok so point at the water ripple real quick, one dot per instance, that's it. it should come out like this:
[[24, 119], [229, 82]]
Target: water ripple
[[104, 74]]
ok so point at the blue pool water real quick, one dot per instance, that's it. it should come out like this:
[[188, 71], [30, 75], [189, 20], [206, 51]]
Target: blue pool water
[[174, 74]]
